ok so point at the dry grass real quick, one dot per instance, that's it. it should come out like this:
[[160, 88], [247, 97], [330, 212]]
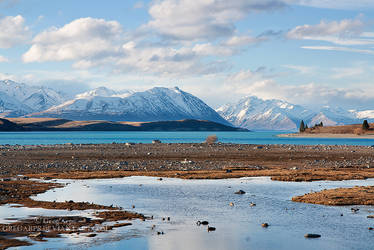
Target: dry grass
[[340, 197], [345, 129], [211, 139]]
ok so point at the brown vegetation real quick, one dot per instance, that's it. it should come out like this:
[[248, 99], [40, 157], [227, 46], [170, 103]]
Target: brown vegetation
[[344, 129], [340, 197]]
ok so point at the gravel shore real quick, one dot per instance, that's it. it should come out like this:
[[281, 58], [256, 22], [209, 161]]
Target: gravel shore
[[290, 161]]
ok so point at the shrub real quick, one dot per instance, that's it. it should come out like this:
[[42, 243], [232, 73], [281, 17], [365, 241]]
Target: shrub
[[211, 139], [358, 131]]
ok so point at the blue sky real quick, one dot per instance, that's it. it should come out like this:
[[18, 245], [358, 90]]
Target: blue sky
[[310, 52]]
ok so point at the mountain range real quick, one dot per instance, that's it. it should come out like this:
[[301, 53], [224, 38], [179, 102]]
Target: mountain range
[[156, 104], [165, 104], [254, 113]]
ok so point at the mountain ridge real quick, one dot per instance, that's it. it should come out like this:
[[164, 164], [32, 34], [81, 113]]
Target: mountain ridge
[[254, 113]]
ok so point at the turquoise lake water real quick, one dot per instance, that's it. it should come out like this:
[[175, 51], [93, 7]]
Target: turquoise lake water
[[95, 137]]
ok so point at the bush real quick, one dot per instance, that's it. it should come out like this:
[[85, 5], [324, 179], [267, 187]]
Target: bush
[[358, 131], [211, 139]]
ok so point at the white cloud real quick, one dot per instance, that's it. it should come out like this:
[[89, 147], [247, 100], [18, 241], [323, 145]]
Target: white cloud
[[13, 31], [3, 59], [170, 61], [345, 32], [335, 4], [301, 69], [344, 49], [244, 40], [340, 73], [311, 94], [203, 19], [4, 76], [82, 39]]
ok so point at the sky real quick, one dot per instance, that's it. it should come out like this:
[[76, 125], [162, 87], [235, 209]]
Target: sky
[[307, 52]]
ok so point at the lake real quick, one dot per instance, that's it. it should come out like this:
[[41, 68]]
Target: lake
[[238, 227], [95, 137]]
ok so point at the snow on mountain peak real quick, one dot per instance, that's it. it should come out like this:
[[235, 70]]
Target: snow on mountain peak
[[155, 104], [30, 97], [100, 91]]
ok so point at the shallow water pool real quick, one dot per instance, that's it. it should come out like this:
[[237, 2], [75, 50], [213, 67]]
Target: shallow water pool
[[238, 226]]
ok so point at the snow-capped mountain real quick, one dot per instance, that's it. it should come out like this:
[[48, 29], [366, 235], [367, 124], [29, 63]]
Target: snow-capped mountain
[[257, 114], [11, 107], [156, 104], [254, 113], [335, 116], [20, 99]]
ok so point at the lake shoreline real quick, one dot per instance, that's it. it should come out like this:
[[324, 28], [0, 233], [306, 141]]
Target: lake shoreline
[[325, 135]]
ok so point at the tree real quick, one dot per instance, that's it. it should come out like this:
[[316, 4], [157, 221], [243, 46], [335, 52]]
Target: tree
[[302, 126], [365, 125]]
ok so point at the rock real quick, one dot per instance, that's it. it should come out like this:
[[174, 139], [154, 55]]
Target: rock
[[205, 223], [312, 236], [370, 228], [211, 229], [354, 209], [228, 171], [370, 216], [231, 204], [156, 141], [36, 235], [240, 192], [91, 235], [264, 224], [252, 204]]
